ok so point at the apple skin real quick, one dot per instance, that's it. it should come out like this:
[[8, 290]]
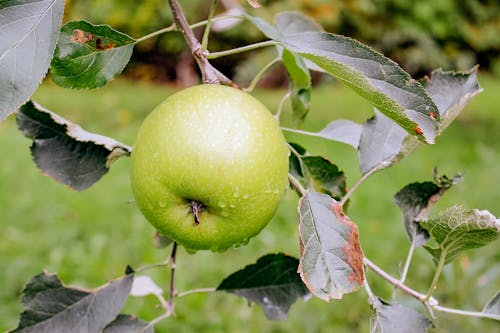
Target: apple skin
[[216, 146]]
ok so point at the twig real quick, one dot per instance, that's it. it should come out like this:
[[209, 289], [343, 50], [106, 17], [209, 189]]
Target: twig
[[406, 267], [437, 274], [171, 291], [467, 313], [208, 72]]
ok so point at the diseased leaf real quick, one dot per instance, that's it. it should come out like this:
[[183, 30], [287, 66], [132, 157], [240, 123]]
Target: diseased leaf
[[128, 324], [89, 56], [416, 200], [317, 173], [28, 35], [272, 282], [383, 143], [65, 151], [493, 306], [51, 307], [300, 84], [397, 318], [451, 91], [331, 262], [457, 229]]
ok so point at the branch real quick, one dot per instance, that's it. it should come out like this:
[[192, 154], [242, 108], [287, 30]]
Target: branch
[[208, 72]]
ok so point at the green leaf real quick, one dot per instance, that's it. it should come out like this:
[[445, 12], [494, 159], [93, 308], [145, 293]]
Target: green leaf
[[295, 22], [331, 262], [457, 229], [28, 35], [416, 200], [128, 324], [317, 173], [89, 56], [272, 282], [300, 83], [52, 307], [66, 152], [344, 131], [373, 76], [397, 318]]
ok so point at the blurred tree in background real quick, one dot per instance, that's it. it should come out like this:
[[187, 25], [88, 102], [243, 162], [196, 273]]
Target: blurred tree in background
[[420, 36]]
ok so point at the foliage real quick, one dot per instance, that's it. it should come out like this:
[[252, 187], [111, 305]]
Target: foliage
[[332, 262]]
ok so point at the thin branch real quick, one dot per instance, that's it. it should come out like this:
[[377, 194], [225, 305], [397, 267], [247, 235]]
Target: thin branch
[[294, 130], [259, 75], [204, 40], [171, 291], [208, 72], [395, 282], [281, 105], [196, 291], [406, 267], [214, 55]]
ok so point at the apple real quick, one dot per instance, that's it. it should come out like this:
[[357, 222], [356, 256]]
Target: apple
[[209, 167]]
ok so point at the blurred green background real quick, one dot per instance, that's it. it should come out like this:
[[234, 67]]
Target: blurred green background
[[89, 237]]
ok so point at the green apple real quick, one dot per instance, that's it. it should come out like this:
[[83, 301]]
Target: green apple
[[209, 167]]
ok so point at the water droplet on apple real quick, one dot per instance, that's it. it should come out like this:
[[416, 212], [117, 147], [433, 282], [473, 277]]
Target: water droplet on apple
[[155, 155], [224, 213], [222, 204], [162, 204], [276, 191], [232, 206], [236, 193], [245, 196]]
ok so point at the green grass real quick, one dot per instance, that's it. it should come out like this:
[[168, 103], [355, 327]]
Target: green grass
[[89, 237]]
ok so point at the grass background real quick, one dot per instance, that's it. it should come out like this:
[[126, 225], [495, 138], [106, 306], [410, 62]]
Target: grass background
[[89, 237]]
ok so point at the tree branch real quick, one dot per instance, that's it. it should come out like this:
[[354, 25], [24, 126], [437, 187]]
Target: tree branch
[[208, 72]]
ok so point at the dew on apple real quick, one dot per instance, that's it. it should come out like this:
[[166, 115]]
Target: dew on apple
[[162, 204], [245, 196]]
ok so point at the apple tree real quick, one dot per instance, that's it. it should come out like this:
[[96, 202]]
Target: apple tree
[[408, 114]]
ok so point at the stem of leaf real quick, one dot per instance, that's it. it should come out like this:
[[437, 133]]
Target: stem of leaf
[[173, 27], [196, 291], [437, 274], [172, 276], [467, 313], [204, 40], [281, 105], [245, 48], [406, 267], [297, 186], [294, 130], [259, 75]]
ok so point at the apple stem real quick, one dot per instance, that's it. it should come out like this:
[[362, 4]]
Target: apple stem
[[196, 208]]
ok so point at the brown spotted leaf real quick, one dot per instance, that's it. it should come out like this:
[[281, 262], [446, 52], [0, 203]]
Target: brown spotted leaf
[[331, 262]]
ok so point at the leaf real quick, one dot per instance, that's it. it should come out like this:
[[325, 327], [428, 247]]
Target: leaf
[[143, 285], [344, 131], [317, 173], [89, 56], [128, 324], [272, 282], [65, 151], [373, 76], [416, 200], [331, 262], [28, 35], [457, 229], [451, 91], [493, 306], [397, 318], [52, 307], [300, 83], [382, 143]]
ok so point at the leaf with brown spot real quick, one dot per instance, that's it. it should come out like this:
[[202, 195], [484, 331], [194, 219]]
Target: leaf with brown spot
[[331, 262]]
